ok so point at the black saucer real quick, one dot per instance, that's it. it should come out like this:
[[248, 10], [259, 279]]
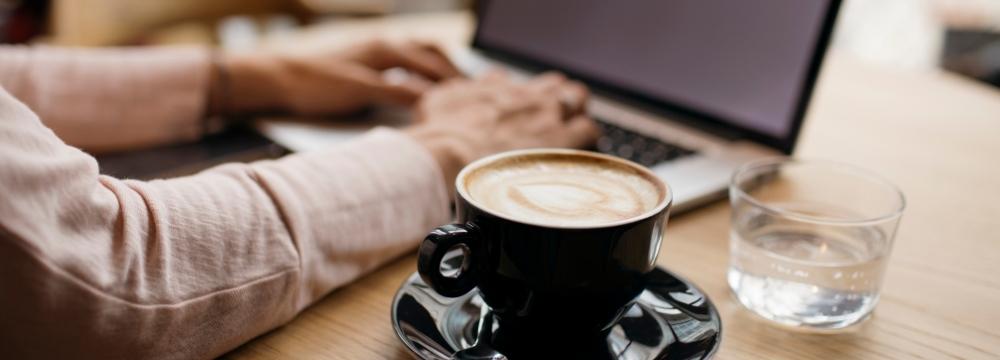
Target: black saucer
[[671, 319]]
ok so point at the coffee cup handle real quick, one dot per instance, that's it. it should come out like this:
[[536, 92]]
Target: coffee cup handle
[[432, 251]]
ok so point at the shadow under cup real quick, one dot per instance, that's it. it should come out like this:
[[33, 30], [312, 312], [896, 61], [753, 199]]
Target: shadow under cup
[[543, 277]]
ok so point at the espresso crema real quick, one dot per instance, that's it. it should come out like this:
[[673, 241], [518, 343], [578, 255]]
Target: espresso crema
[[563, 190]]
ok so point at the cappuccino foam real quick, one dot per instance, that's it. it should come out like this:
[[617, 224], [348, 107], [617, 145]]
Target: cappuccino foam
[[563, 190]]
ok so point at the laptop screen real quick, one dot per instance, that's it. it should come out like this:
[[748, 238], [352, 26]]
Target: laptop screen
[[747, 65]]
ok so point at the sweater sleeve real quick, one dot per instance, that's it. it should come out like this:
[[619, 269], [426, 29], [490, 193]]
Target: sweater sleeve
[[112, 99], [96, 267]]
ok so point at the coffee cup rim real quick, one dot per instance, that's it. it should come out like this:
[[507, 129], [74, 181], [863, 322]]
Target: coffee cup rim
[[665, 201]]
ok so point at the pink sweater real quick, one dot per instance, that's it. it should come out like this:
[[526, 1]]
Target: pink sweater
[[97, 267]]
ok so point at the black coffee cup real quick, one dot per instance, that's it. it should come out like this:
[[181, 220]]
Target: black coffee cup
[[546, 277]]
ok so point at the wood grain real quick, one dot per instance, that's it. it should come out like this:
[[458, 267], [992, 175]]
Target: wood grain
[[935, 135]]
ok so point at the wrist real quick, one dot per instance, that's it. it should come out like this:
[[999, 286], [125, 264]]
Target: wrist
[[251, 84], [446, 146], [218, 87]]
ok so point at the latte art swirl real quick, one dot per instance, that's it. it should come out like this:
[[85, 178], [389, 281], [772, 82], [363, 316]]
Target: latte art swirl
[[563, 192]]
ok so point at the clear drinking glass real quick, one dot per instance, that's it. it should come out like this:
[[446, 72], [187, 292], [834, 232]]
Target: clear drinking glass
[[810, 240]]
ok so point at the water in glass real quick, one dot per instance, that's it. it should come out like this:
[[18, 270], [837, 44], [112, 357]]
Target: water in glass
[[802, 274]]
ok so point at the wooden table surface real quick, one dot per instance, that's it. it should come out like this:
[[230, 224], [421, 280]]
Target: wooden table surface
[[934, 134]]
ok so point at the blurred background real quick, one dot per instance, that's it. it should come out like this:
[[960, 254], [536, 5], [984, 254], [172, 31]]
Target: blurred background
[[961, 36]]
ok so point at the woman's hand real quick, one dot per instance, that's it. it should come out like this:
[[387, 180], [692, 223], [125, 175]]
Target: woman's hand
[[327, 81], [463, 120]]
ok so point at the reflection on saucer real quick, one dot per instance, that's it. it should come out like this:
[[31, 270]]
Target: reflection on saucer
[[671, 319]]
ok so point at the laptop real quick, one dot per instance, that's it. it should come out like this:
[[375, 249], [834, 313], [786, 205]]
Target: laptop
[[691, 89]]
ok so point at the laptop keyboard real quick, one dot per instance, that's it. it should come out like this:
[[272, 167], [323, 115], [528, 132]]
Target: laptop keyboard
[[634, 146]]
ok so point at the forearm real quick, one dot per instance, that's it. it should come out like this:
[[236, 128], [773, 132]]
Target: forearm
[[356, 205], [194, 266], [112, 99]]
